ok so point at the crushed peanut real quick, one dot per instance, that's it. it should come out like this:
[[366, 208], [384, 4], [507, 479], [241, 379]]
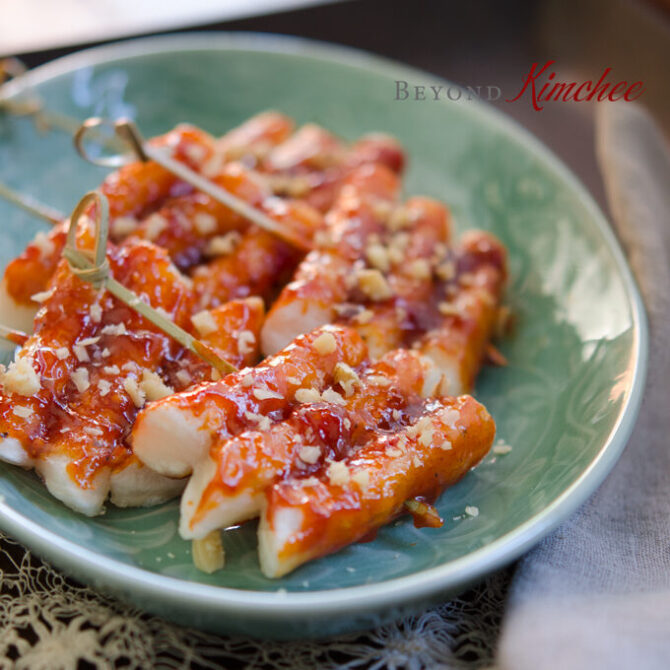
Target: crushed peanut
[[154, 226], [208, 554], [223, 245], [204, 323], [309, 455], [346, 377], [42, 296], [362, 478], [338, 473], [266, 394], [329, 395], [153, 387], [204, 223], [22, 412], [134, 391], [246, 342], [21, 378], [325, 344], [307, 395], [373, 284], [80, 379]]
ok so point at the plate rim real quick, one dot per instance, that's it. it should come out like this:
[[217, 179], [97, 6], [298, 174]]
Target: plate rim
[[102, 570]]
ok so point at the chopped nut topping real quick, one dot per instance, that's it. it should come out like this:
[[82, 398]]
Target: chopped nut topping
[[426, 435], [204, 323], [266, 394], [114, 329], [325, 344], [80, 379], [246, 341], [446, 270], [419, 269], [22, 412], [123, 226], [155, 225], [184, 377], [104, 386], [62, 353], [374, 285], [329, 395], [448, 309], [307, 395], [223, 245], [309, 454], [208, 554], [346, 377], [450, 416], [88, 341], [362, 478], [134, 391], [262, 421], [363, 317], [378, 257], [378, 380], [247, 380], [338, 473], [81, 353], [153, 387], [111, 370], [399, 218], [204, 223], [43, 296], [21, 378], [472, 511]]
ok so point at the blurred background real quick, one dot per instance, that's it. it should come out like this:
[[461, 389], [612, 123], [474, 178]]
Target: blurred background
[[486, 42]]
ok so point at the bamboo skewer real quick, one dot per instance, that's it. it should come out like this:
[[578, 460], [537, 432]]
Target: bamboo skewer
[[31, 205], [141, 150], [94, 268]]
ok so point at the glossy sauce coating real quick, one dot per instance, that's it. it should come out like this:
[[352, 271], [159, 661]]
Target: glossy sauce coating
[[260, 262], [320, 282], [310, 517], [377, 398], [246, 399], [316, 163], [87, 335], [131, 191], [468, 307]]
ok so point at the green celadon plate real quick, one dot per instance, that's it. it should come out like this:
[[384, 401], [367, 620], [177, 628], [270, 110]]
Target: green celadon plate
[[566, 402]]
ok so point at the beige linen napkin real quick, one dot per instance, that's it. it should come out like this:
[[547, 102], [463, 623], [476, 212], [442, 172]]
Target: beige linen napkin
[[596, 593]]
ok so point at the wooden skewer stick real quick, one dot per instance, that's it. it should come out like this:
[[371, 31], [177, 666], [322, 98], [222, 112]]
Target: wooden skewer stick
[[17, 337], [143, 151], [93, 267], [30, 205]]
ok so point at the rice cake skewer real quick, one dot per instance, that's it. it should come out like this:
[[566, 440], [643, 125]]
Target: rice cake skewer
[[229, 487], [71, 395], [320, 282], [176, 433], [309, 517]]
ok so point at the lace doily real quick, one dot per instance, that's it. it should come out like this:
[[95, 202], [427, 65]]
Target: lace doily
[[49, 622]]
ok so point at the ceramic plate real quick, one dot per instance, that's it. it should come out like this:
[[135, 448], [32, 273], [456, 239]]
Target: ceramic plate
[[566, 403]]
